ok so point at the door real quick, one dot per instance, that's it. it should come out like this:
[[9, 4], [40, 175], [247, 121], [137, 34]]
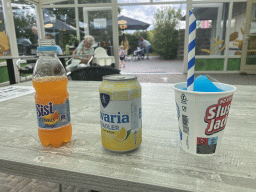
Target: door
[[99, 25], [248, 62], [211, 13]]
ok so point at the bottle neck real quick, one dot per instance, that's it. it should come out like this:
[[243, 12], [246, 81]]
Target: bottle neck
[[47, 54]]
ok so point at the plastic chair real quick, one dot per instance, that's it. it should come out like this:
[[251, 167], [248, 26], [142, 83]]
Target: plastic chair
[[27, 69], [75, 64], [101, 57]]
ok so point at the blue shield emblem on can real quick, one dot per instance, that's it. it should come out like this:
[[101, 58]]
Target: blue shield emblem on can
[[104, 98]]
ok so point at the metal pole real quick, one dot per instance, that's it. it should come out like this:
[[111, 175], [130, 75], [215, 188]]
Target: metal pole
[[86, 21], [59, 188], [77, 22], [115, 32], [10, 31], [40, 21], [11, 71], [227, 35]]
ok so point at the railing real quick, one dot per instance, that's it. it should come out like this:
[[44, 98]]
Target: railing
[[3, 64], [11, 67]]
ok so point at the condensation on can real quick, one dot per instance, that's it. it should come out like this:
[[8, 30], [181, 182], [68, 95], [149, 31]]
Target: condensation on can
[[120, 112]]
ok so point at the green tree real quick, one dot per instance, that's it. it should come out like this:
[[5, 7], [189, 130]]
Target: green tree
[[23, 20], [23, 25], [165, 40], [133, 40], [139, 34]]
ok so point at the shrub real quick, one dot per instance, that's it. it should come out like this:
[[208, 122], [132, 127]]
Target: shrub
[[165, 39]]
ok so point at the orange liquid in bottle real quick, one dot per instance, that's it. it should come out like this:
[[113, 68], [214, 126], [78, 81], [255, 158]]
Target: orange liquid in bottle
[[52, 89]]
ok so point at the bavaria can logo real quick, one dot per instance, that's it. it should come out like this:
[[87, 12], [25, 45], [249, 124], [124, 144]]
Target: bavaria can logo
[[217, 115], [104, 98]]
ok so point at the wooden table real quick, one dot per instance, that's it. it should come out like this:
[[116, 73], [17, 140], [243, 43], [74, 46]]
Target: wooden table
[[159, 164]]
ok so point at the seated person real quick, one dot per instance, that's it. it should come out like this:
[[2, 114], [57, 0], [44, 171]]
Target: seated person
[[85, 47], [49, 36]]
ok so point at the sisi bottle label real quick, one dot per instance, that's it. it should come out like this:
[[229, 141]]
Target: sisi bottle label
[[52, 116]]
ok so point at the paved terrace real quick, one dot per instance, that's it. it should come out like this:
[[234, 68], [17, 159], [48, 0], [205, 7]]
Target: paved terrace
[[154, 70], [157, 70]]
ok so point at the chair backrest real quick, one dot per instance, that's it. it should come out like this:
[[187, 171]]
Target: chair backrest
[[20, 61], [100, 52], [75, 62]]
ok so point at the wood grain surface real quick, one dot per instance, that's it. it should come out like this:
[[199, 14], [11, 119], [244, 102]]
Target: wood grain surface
[[159, 164]]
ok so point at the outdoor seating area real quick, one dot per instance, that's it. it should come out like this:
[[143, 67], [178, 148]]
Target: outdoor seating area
[[212, 53], [92, 72]]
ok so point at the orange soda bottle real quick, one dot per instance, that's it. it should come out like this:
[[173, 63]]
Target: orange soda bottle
[[52, 104]]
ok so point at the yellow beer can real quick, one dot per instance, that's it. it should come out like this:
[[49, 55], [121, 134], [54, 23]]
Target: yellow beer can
[[120, 112]]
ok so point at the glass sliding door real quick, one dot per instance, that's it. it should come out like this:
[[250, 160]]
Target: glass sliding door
[[98, 23], [248, 63], [210, 35]]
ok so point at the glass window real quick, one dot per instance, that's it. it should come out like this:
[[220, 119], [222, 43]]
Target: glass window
[[4, 40], [153, 23], [98, 23], [25, 26], [237, 28], [64, 2], [234, 64], [2, 26], [133, 1], [4, 48], [211, 28], [166, 0], [93, 1], [60, 23], [209, 64]]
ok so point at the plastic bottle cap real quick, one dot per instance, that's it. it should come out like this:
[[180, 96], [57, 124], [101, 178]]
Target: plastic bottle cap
[[46, 48]]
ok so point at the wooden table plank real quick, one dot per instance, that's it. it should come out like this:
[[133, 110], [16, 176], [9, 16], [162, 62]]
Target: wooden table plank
[[159, 164]]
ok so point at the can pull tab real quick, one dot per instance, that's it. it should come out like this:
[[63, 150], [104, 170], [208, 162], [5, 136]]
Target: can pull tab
[[118, 77]]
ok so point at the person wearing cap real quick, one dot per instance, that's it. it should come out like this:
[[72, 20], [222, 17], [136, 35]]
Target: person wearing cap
[[59, 50]]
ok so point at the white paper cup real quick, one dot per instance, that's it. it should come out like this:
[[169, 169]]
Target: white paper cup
[[202, 118]]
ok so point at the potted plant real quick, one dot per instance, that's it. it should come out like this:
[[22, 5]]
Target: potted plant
[[73, 41]]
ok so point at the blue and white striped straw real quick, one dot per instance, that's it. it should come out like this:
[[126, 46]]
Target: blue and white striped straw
[[191, 51]]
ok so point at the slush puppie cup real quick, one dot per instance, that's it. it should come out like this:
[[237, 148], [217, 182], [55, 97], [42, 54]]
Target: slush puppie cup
[[202, 117]]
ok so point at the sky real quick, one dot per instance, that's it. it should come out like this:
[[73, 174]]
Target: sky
[[146, 13], [143, 13]]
